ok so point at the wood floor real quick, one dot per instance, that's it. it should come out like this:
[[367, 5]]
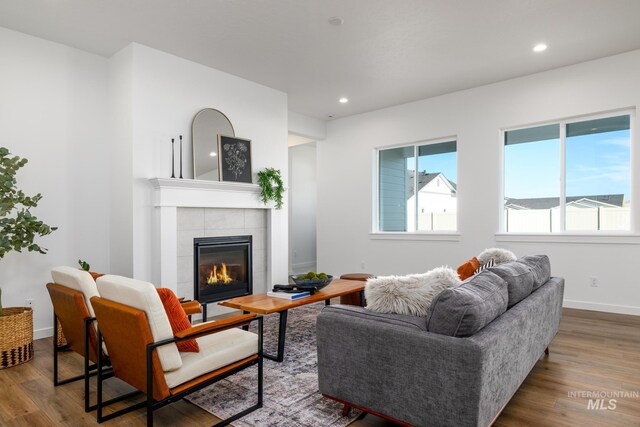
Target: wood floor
[[592, 352]]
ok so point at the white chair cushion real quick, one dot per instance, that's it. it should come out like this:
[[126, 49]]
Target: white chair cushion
[[78, 280], [143, 296], [216, 351]]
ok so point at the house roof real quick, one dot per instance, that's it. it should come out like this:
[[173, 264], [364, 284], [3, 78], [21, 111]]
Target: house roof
[[554, 202], [425, 178]]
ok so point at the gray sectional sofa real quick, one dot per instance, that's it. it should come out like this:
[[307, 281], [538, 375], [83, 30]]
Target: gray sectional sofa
[[460, 365]]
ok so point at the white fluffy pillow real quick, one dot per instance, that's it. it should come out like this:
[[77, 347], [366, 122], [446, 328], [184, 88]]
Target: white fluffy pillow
[[410, 294], [498, 255]]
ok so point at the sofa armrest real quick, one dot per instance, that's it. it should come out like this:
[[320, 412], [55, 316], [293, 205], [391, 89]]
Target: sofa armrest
[[216, 326], [396, 368]]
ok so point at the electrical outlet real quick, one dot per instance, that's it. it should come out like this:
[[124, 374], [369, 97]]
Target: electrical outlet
[[362, 265], [29, 302], [593, 281]]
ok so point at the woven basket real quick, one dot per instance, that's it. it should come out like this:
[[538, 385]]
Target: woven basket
[[16, 336], [62, 341]]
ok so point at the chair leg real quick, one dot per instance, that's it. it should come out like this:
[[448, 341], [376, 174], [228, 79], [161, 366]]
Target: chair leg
[[87, 407], [346, 410], [546, 351], [149, 387], [55, 350], [99, 391]]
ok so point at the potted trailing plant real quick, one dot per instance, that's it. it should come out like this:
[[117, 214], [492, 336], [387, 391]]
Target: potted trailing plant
[[18, 230], [271, 186]]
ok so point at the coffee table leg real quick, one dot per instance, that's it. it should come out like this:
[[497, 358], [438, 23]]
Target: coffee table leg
[[327, 302], [245, 327], [362, 301], [282, 331]]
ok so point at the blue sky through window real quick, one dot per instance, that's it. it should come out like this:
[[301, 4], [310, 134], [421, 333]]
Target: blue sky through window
[[599, 164], [596, 164], [532, 169], [444, 163]]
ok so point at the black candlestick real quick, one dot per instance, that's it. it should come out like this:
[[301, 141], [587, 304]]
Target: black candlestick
[[180, 156], [173, 175]]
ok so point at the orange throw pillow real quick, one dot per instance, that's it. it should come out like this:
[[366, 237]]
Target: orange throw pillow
[[177, 318], [95, 275], [467, 269]]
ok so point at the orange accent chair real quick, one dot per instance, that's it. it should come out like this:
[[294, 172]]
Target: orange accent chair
[[71, 295], [143, 352]]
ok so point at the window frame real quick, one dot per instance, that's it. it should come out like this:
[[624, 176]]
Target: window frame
[[571, 236], [376, 233]]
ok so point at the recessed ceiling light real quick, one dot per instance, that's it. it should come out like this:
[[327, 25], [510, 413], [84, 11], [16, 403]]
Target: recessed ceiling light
[[540, 47], [336, 20], [343, 100], [213, 154]]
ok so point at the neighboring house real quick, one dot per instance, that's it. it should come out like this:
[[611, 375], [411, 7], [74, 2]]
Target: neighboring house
[[436, 193], [437, 204], [600, 201]]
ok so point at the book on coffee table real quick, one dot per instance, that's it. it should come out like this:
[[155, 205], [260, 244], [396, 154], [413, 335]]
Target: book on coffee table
[[288, 295]]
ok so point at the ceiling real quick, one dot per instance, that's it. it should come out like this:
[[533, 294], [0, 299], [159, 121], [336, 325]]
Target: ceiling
[[387, 52]]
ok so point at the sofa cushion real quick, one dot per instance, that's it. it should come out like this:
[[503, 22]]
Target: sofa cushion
[[401, 320], [519, 278], [464, 310], [410, 294], [541, 268], [78, 280], [143, 296], [216, 350]]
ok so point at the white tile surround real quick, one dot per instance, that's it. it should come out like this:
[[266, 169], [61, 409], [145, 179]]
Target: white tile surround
[[186, 208], [211, 222]]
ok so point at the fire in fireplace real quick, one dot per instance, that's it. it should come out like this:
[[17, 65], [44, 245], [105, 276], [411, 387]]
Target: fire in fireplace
[[222, 268]]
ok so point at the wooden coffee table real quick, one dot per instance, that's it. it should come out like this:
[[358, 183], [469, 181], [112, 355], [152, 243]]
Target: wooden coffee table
[[264, 304]]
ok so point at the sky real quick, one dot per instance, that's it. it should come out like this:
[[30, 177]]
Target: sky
[[595, 164], [444, 163]]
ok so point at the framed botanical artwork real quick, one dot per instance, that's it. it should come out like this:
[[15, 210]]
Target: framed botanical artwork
[[234, 157]]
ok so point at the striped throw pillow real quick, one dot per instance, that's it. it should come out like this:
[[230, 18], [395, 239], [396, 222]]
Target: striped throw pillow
[[484, 266]]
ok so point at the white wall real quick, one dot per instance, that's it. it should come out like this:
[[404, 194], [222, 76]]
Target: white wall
[[476, 117], [302, 206], [53, 111], [167, 92], [121, 162], [309, 127]]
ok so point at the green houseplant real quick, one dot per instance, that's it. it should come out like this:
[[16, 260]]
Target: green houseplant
[[271, 186], [18, 226]]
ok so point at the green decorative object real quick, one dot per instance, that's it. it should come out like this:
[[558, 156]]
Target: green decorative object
[[84, 265], [271, 186], [18, 227]]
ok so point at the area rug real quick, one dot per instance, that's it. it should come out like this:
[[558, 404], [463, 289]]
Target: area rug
[[291, 396]]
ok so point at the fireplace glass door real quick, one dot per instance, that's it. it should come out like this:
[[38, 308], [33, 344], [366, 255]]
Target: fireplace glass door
[[222, 268]]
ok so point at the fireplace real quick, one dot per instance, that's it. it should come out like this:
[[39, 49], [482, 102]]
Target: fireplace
[[222, 268]]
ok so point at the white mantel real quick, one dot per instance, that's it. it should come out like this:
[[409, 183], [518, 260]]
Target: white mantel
[[169, 194]]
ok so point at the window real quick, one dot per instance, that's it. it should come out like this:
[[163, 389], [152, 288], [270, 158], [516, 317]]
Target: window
[[417, 188], [588, 191]]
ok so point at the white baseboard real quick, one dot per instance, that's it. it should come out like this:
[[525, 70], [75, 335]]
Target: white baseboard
[[607, 308], [42, 333]]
